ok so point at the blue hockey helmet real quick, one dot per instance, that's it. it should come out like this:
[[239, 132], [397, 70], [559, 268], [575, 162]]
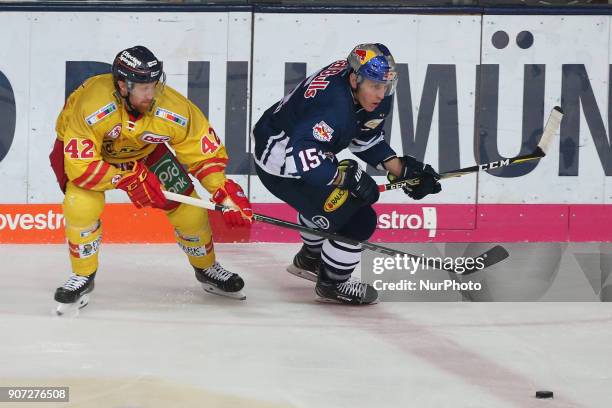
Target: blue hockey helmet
[[374, 62]]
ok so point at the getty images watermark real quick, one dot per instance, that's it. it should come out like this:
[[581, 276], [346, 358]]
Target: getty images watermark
[[411, 265], [414, 278]]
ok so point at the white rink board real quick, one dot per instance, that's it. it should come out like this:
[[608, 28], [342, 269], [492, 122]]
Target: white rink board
[[15, 65], [175, 38], [582, 40], [417, 40], [35, 52]]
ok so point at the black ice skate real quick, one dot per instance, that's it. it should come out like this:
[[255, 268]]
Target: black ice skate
[[220, 281], [74, 294], [305, 264], [351, 292]]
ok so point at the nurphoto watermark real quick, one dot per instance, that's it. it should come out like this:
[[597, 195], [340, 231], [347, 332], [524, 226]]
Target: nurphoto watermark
[[386, 269], [543, 271], [432, 273]]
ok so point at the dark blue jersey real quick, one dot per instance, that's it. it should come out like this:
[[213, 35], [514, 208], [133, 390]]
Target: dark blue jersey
[[299, 136]]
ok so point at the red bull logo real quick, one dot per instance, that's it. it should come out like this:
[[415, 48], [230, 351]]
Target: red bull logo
[[319, 82], [364, 55], [322, 131]]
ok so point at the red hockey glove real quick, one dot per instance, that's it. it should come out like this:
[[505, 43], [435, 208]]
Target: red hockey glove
[[231, 195], [143, 187]]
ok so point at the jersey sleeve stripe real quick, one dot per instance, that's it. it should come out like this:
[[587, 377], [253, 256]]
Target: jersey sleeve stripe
[[86, 177], [209, 166], [360, 145], [88, 172], [209, 170], [98, 176]]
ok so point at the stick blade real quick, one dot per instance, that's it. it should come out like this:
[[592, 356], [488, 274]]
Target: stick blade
[[550, 129], [489, 258]]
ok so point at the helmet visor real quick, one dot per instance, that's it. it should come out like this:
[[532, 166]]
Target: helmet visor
[[389, 81], [148, 90]]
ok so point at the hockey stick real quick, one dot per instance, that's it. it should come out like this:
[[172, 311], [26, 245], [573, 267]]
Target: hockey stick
[[489, 258], [552, 124]]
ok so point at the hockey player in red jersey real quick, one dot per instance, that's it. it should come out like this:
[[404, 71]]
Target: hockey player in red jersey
[[113, 133], [343, 105]]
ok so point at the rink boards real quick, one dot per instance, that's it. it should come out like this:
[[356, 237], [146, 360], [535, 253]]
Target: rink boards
[[43, 223], [473, 88]]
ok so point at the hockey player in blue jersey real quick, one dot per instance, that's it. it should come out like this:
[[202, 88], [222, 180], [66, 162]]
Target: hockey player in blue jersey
[[343, 105]]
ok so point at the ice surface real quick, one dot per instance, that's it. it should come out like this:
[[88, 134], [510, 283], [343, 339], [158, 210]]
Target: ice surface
[[151, 337]]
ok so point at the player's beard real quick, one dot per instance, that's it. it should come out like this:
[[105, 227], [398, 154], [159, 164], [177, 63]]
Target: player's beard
[[143, 107]]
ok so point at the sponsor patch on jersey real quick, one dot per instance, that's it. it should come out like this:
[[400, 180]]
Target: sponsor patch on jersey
[[335, 200], [198, 251], [85, 250], [321, 221], [322, 131], [149, 137], [101, 114], [107, 146], [373, 124], [319, 82], [115, 132], [171, 116], [171, 174]]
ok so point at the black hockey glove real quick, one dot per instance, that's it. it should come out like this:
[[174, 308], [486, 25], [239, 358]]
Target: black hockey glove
[[354, 179], [428, 178]]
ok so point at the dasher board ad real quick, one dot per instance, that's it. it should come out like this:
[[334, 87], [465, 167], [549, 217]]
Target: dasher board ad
[[472, 89]]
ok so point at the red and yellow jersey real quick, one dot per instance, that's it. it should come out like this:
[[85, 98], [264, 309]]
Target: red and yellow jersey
[[99, 134]]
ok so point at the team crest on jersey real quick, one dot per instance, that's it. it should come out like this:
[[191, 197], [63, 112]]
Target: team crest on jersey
[[171, 116], [116, 178], [101, 114], [322, 131], [115, 132], [149, 137]]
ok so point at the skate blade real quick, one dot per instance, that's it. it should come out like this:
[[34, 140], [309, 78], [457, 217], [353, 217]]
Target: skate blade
[[302, 273], [216, 291], [72, 309], [321, 299]]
